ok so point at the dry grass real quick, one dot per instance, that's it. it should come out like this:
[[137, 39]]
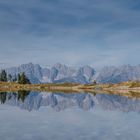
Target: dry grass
[[72, 87], [4, 86]]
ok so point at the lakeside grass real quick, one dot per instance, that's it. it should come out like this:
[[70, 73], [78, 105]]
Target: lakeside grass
[[130, 88], [124, 85], [13, 86]]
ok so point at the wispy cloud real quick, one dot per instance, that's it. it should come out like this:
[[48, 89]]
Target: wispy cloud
[[75, 32]]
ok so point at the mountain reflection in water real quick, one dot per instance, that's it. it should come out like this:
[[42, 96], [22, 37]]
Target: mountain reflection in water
[[61, 101]]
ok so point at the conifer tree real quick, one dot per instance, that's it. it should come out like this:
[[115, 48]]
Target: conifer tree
[[9, 77], [18, 78], [3, 76], [22, 79]]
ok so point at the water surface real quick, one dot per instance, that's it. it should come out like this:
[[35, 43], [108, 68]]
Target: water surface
[[75, 116]]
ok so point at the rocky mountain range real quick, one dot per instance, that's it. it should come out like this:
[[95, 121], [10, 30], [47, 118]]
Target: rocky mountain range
[[61, 73], [119, 74], [56, 74]]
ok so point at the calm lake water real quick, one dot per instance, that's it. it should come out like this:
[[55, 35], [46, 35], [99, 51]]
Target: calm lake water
[[59, 116]]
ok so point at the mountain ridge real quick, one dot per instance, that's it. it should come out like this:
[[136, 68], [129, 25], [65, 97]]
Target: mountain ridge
[[60, 73], [57, 73]]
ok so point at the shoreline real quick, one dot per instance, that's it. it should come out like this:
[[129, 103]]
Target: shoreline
[[72, 86], [125, 89]]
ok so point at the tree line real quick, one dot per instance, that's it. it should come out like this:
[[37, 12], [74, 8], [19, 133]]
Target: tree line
[[21, 78]]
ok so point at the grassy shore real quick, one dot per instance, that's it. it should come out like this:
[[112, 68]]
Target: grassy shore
[[125, 87], [7, 86]]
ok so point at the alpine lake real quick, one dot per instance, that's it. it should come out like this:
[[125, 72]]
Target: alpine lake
[[27, 115]]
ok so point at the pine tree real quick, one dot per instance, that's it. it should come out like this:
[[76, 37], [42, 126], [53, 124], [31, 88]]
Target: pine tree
[[22, 79], [9, 77], [3, 76], [18, 78]]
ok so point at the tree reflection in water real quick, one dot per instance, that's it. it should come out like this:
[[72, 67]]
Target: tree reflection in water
[[20, 95]]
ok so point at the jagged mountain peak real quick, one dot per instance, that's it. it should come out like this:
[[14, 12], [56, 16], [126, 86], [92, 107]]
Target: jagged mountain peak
[[58, 72], [59, 65], [85, 74], [114, 74]]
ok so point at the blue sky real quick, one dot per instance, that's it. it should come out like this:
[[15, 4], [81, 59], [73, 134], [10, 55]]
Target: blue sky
[[73, 32]]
